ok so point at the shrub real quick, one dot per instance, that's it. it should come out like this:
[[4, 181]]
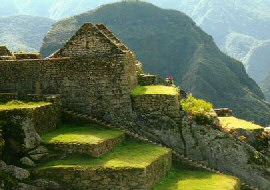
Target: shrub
[[199, 109]]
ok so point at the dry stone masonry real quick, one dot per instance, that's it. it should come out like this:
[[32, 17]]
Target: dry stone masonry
[[94, 74], [94, 150], [107, 178], [162, 103]]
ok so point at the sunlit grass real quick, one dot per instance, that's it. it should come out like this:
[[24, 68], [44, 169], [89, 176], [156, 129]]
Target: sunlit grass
[[235, 123], [85, 134], [131, 154], [188, 179], [19, 104], [155, 89]]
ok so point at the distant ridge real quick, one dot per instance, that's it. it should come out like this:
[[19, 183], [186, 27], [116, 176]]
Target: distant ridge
[[23, 33], [170, 44]]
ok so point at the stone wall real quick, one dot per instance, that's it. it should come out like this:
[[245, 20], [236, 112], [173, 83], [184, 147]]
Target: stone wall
[[97, 86], [118, 178], [206, 144], [5, 97], [223, 112], [89, 41], [147, 79], [27, 56], [164, 104], [93, 73], [21, 127]]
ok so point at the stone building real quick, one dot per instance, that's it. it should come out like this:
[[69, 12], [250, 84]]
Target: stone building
[[94, 73]]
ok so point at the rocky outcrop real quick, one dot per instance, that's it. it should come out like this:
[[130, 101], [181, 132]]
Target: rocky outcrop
[[207, 144], [16, 178]]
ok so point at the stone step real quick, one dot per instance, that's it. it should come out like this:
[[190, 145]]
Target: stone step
[[131, 165], [89, 139]]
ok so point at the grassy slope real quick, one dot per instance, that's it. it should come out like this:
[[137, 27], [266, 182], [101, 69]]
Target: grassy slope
[[235, 123], [187, 179], [155, 89], [86, 134], [19, 104], [130, 154], [170, 44]]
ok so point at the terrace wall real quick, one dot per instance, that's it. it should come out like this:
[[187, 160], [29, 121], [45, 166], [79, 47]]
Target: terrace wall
[[164, 104], [118, 178]]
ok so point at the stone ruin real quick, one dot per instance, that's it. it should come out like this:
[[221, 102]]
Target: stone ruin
[[94, 74]]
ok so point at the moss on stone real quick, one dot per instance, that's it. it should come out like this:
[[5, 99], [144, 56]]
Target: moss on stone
[[194, 179], [155, 89], [131, 154]]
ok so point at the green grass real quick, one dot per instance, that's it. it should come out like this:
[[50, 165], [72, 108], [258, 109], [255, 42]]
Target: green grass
[[235, 123], [196, 106], [188, 179], [85, 134], [130, 154], [155, 89], [19, 104]]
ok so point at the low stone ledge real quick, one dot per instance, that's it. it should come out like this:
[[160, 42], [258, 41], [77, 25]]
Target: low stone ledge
[[5, 97], [223, 112], [145, 80]]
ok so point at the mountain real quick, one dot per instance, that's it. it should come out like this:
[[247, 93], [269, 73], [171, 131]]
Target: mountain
[[169, 43], [54, 9], [23, 32], [240, 28], [265, 86]]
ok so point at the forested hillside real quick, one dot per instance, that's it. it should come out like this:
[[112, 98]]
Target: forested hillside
[[169, 43]]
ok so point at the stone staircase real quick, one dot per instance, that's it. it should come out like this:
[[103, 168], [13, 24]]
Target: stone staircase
[[178, 156]]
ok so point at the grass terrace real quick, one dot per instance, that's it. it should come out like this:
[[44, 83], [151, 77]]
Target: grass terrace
[[19, 105], [130, 154], [83, 134], [155, 89], [193, 179], [235, 123]]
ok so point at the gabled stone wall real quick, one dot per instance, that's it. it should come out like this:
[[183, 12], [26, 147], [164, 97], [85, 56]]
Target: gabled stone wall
[[89, 41], [92, 73]]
